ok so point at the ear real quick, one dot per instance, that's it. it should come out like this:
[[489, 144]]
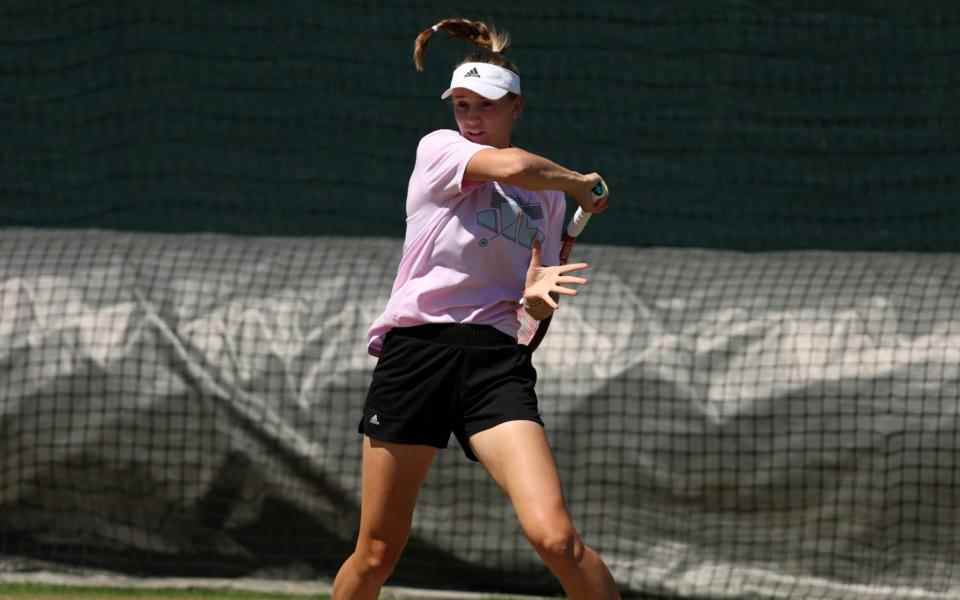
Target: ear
[[517, 107]]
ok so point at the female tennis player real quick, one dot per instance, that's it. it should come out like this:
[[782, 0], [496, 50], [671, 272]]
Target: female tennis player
[[484, 223]]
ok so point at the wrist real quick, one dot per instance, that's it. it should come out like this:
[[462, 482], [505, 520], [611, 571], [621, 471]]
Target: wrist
[[575, 184], [536, 308]]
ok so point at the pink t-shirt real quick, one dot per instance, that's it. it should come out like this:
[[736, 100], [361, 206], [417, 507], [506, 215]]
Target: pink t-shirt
[[467, 245]]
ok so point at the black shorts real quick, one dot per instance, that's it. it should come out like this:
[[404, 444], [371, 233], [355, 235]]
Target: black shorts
[[438, 379]]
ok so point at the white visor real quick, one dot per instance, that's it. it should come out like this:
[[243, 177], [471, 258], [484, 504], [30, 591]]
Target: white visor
[[490, 81]]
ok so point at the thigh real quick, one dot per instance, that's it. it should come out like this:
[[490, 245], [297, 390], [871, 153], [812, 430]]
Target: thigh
[[518, 457], [500, 387], [392, 477]]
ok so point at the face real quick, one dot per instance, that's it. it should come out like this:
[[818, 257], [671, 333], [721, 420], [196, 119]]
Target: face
[[486, 121]]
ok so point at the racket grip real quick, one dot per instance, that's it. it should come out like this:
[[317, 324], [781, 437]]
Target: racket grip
[[578, 222], [580, 218]]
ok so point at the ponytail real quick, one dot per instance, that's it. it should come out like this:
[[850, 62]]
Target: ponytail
[[491, 43]]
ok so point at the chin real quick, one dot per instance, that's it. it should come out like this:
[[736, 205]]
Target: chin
[[486, 139]]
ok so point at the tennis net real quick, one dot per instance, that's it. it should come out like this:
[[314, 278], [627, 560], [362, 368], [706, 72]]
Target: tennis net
[[780, 424]]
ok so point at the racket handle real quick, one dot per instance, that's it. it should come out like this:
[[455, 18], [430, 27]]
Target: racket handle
[[577, 223], [580, 218]]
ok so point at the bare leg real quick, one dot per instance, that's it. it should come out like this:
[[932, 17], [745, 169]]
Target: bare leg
[[518, 457], [392, 477]]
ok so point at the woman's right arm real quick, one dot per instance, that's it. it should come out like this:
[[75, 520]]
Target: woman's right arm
[[526, 170]]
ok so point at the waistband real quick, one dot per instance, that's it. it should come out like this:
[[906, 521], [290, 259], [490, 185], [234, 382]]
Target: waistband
[[459, 334]]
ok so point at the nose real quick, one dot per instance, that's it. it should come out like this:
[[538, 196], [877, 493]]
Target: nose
[[472, 115]]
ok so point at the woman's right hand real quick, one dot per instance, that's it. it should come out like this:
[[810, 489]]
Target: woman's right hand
[[585, 197]]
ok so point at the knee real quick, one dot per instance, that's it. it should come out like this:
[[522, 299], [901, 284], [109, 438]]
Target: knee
[[375, 559], [556, 541]]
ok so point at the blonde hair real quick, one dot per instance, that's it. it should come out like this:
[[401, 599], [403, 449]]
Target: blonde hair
[[491, 43]]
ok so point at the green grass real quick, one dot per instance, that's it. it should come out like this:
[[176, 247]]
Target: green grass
[[26, 591]]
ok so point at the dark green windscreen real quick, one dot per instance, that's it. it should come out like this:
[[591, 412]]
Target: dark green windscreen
[[721, 123]]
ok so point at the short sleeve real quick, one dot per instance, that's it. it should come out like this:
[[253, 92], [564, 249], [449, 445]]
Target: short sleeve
[[442, 158]]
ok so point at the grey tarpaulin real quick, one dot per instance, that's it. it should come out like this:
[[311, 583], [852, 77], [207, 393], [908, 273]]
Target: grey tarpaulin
[[726, 424]]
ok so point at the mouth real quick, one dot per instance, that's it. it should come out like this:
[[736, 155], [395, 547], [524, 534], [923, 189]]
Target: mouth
[[475, 134]]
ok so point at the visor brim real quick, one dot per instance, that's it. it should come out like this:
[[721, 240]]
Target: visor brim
[[490, 92]]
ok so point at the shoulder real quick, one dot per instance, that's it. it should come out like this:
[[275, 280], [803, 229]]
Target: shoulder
[[445, 149], [439, 137]]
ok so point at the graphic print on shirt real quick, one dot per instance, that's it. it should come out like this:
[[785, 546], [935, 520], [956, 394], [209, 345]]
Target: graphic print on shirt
[[512, 219]]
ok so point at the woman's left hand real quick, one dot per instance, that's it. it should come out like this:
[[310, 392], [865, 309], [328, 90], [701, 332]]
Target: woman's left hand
[[544, 285]]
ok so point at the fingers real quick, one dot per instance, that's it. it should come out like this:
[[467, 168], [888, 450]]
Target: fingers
[[596, 204], [598, 207], [535, 253], [550, 281], [566, 291], [571, 267], [560, 278], [546, 299]]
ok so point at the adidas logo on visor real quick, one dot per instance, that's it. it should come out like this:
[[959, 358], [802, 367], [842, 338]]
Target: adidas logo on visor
[[488, 80]]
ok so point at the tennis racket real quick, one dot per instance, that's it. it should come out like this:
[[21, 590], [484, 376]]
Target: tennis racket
[[531, 331]]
